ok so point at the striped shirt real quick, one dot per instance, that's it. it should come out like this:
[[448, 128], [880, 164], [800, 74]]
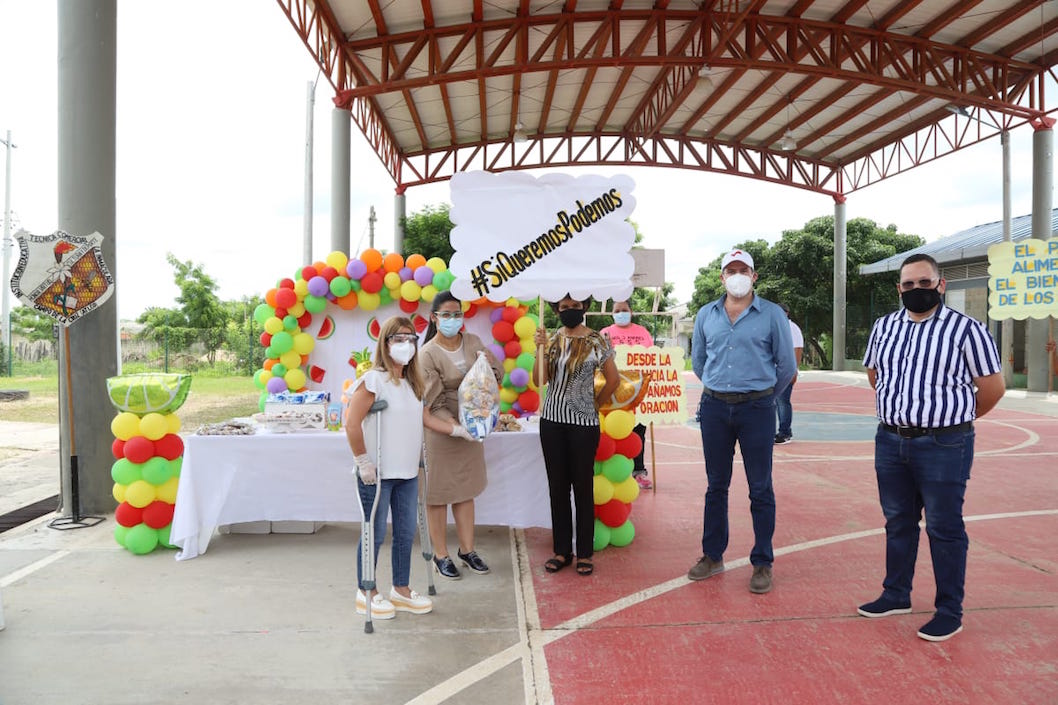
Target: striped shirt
[[925, 370], [571, 365]]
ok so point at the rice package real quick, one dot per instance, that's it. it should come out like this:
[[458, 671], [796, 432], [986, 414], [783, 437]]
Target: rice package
[[479, 399]]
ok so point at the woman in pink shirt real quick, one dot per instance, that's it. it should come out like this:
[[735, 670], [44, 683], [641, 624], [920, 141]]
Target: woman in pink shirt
[[624, 332]]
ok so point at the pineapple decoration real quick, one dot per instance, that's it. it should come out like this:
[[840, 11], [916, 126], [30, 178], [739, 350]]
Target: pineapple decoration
[[148, 455], [360, 360]]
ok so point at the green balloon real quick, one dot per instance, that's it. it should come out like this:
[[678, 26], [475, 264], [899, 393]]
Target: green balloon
[[279, 369], [623, 534], [141, 539], [270, 353], [120, 532], [524, 360], [384, 297], [125, 472], [354, 285], [263, 312], [598, 467], [175, 465], [505, 406], [290, 322], [282, 341], [261, 401], [602, 536], [506, 380], [314, 304], [257, 379], [163, 536], [156, 470], [617, 468], [340, 286]]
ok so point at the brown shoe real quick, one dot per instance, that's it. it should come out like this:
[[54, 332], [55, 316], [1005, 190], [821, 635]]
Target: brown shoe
[[705, 567], [760, 583]]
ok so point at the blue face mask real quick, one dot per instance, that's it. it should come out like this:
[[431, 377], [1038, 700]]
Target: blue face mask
[[449, 326], [622, 318]]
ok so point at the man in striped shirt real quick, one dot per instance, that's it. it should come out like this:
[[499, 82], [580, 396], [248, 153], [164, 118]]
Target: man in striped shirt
[[924, 362]]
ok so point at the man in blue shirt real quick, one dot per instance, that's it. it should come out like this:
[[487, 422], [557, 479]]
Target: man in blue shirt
[[743, 353]]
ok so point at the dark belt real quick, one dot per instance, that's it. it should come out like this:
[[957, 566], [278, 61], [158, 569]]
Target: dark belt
[[918, 432], [737, 397]]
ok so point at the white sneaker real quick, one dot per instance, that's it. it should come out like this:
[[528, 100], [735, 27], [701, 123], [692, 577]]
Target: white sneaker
[[381, 608], [416, 604]]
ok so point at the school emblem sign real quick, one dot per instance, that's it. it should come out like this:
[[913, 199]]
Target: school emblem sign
[[61, 275]]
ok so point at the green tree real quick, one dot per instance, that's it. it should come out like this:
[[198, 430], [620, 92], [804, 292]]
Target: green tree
[[242, 334], [427, 233], [31, 324], [199, 304], [167, 327]]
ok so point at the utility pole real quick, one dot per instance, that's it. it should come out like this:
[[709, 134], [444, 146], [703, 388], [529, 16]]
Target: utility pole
[[371, 228], [310, 102], [7, 251]]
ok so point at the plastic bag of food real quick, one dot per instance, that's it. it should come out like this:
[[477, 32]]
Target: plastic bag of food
[[479, 399]]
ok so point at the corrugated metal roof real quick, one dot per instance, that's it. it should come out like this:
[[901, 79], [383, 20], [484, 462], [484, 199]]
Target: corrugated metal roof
[[965, 245]]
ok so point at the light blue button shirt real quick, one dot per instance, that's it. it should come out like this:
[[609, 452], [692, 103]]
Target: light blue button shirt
[[750, 355]]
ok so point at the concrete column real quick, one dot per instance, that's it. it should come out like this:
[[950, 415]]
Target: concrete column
[[340, 126], [1006, 327], [398, 220], [87, 47], [1042, 203], [840, 265]]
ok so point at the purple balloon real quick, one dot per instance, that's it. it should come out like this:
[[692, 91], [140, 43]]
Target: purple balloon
[[423, 275], [496, 314], [497, 350], [405, 273], [519, 377], [330, 295], [517, 407], [355, 269], [318, 286], [276, 385]]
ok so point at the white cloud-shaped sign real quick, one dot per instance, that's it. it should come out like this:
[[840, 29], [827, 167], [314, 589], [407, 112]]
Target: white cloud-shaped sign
[[520, 236]]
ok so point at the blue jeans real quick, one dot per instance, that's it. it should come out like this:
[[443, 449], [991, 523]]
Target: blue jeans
[[785, 411], [752, 424], [400, 496], [929, 472]]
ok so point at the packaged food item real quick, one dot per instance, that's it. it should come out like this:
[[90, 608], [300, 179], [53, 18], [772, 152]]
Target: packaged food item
[[479, 399]]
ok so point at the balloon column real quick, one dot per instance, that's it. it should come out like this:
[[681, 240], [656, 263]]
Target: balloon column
[[512, 332], [148, 454]]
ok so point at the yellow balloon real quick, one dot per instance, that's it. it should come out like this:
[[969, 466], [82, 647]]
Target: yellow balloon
[[174, 423], [295, 378], [508, 364], [118, 490], [603, 489], [428, 292], [626, 491], [367, 300], [619, 424], [273, 325], [602, 422], [524, 327], [298, 309], [265, 376], [391, 280], [436, 264], [140, 493], [527, 343], [167, 492], [508, 395], [301, 288], [464, 305], [410, 291], [512, 302], [125, 425], [290, 359], [153, 426], [338, 260], [303, 344], [532, 384]]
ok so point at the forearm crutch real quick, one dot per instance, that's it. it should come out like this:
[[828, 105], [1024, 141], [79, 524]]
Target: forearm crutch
[[424, 529], [367, 531]]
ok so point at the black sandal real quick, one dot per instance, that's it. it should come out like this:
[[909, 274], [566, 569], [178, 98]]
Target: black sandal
[[585, 567], [553, 565]]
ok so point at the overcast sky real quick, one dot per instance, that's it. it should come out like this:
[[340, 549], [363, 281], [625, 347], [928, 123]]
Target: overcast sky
[[210, 159]]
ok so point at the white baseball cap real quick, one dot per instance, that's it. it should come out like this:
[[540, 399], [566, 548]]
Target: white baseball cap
[[737, 255]]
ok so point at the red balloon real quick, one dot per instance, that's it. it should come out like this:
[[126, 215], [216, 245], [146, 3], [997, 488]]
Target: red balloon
[[471, 310], [329, 273], [128, 515], [371, 282], [630, 446], [118, 448], [613, 513], [529, 401], [139, 449], [158, 514], [511, 314], [512, 348], [605, 449], [308, 272], [408, 306], [280, 313], [502, 331], [286, 283], [285, 298], [170, 446], [266, 339], [305, 321]]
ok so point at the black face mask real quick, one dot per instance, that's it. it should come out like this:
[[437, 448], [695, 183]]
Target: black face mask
[[571, 317], [920, 300]]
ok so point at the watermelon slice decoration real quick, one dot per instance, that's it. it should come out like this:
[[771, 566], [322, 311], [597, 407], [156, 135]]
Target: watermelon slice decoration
[[326, 328], [374, 329], [420, 323], [316, 373]]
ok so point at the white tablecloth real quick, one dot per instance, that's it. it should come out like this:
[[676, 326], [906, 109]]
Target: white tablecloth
[[308, 477]]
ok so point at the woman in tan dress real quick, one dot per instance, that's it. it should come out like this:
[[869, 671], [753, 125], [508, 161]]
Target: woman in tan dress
[[456, 462]]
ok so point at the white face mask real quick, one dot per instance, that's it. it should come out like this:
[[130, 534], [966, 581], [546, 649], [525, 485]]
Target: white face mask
[[622, 318], [738, 285], [402, 353]]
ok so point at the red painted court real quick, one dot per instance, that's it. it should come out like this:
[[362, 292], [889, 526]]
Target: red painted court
[[638, 626]]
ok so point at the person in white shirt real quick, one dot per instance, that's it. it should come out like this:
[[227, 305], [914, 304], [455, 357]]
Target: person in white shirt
[[783, 406]]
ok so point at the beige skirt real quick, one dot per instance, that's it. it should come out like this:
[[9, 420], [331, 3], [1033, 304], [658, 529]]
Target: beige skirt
[[455, 469]]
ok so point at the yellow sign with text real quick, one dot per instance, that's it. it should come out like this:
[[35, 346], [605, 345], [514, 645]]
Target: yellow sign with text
[[1023, 279], [666, 399]]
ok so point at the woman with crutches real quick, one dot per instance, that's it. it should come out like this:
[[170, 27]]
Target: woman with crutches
[[388, 472]]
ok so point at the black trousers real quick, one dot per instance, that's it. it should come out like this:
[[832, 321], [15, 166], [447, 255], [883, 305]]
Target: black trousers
[[569, 456]]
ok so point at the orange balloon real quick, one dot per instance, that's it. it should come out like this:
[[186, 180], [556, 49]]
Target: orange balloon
[[393, 262], [372, 258], [415, 261], [347, 302], [304, 359], [270, 298], [319, 266], [268, 365]]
